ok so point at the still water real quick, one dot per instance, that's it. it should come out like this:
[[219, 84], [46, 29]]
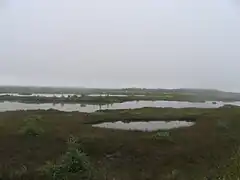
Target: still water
[[145, 126], [39, 94], [12, 106], [64, 95]]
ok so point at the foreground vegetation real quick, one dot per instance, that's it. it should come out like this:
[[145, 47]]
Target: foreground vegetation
[[59, 145]]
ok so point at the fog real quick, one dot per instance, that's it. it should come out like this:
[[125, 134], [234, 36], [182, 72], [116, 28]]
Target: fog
[[127, 43]]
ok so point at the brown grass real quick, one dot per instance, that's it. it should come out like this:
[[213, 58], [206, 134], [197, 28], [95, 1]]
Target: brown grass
[[193, 153]]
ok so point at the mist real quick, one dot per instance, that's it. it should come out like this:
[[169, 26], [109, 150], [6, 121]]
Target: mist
[[137, 43]]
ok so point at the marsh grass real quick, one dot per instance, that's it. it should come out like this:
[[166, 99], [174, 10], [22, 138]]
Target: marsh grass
[[196, 153], [19, 173], [231, 171], [15, 173], [173, 175]]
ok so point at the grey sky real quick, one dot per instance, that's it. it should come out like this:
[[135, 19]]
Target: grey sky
[[108, 43]]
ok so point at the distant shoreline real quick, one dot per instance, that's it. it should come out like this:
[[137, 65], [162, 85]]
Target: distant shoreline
[[104, 100], [110, 96]]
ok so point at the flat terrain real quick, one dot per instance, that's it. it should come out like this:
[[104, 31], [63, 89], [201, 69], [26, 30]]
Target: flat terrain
[[197, 152], [95, 99], [131, 94]]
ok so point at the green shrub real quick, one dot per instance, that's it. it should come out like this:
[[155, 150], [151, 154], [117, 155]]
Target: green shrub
[[71, 165], [31, 126], [163, 135], [223, 124]]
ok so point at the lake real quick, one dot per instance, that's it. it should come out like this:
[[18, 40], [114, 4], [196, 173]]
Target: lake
[[12, 106], [145, 126]]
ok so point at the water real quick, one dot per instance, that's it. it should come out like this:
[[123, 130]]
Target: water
[[65, 95], [145, 126], [40, 94], [117, 95], [12, 106]]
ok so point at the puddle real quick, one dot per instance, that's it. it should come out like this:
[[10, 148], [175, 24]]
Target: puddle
[[145, 126]]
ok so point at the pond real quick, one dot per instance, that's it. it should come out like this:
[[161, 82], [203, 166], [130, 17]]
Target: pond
[[145, 126], [12, 106]]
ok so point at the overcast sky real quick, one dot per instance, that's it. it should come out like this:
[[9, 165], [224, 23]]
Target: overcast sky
[[121, 43]]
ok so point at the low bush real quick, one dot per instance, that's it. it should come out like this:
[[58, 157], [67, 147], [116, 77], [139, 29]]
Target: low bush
[[31, 126], [74, 164], [162, 135], [223, 124]]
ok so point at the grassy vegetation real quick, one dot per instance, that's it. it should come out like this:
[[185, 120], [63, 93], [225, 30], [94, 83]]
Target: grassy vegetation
[[206, 150], [230, 170], [147, 114]]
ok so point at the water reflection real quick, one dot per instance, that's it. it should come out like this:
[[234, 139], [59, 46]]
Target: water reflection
[[41, 94], [12, 106], [64, 95], [145, 126]]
